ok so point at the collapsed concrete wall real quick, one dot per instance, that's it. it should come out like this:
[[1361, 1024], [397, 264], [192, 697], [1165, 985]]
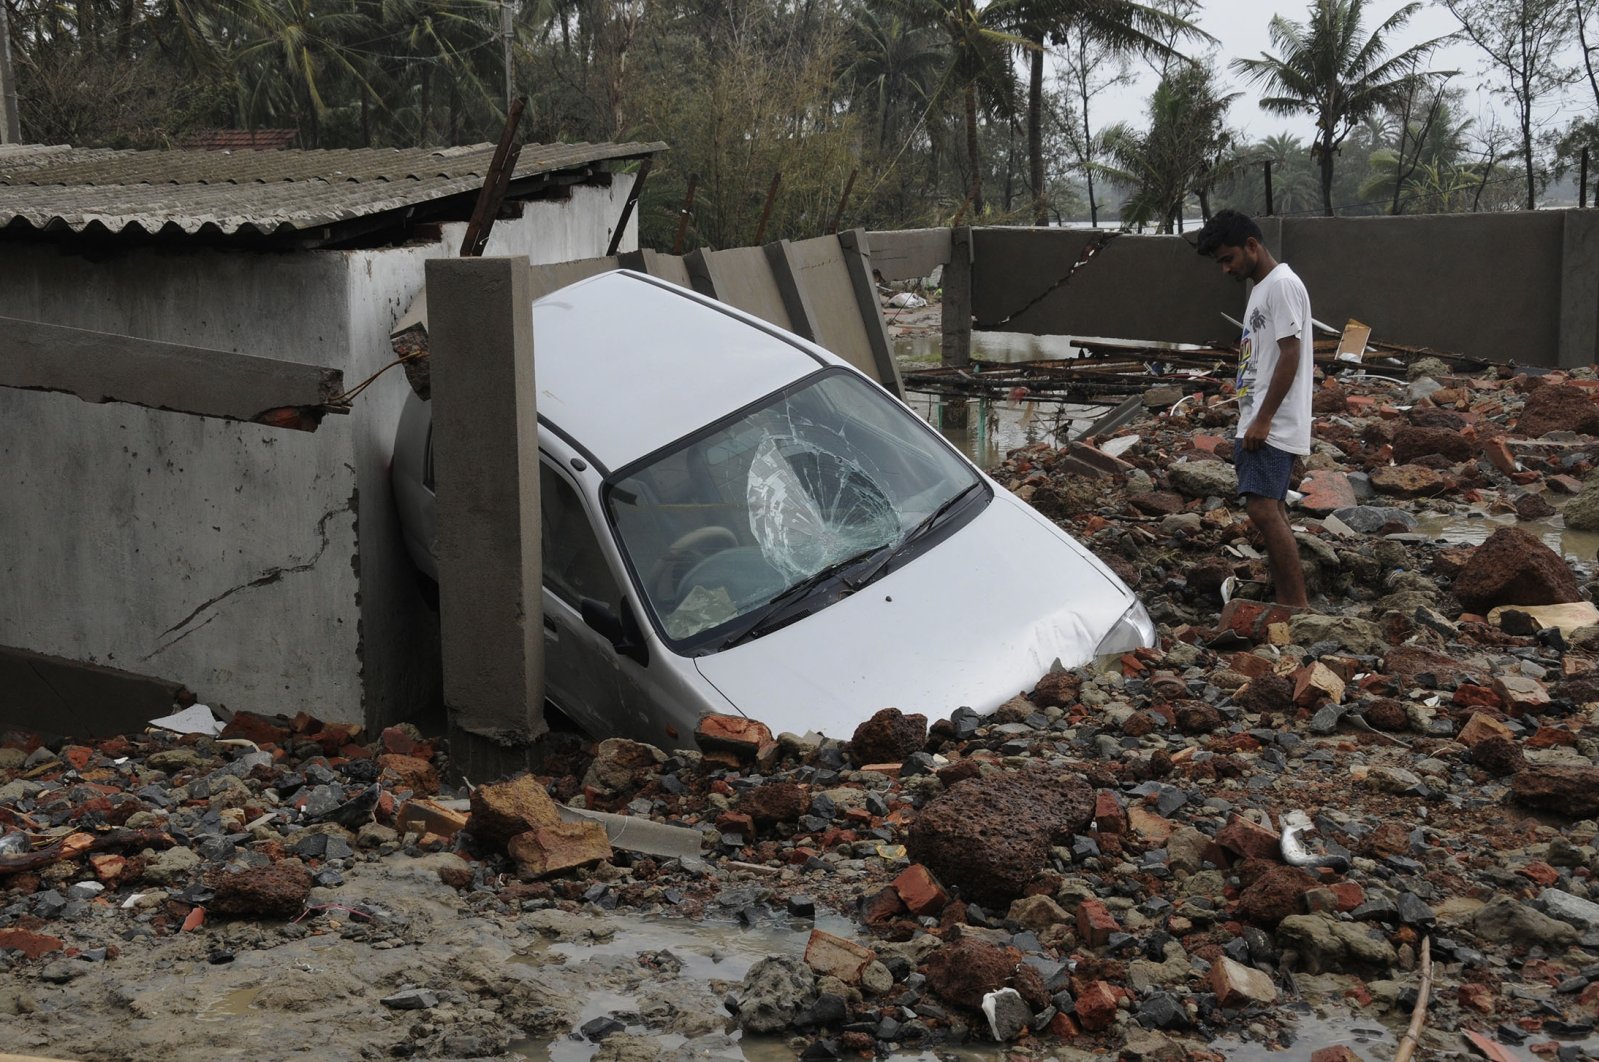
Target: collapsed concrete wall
[[261, 568], [1520, 286]]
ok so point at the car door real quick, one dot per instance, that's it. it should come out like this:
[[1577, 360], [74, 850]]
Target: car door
[[584, 676]]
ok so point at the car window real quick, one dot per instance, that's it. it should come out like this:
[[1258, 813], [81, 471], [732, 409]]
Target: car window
[[574, 564], [722, 524]]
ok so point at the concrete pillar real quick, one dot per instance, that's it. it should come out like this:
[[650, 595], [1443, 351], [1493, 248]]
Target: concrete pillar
[[1579, 290], [957, 321], [801, 316], [858, 260], [486, 467]]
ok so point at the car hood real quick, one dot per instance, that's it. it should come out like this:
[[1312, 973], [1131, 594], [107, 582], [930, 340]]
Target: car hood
[[973, 621]]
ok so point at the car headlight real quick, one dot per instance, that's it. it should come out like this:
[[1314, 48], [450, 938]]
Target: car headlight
[[1135, 630]]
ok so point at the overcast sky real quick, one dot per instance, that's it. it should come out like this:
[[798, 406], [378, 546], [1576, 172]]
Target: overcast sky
[[1240, 27]]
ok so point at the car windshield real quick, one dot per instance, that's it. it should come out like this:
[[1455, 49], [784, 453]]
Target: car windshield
[[829, 475]]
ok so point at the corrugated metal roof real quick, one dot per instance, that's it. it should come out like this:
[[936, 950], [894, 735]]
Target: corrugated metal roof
[[265, 193], [240, 139]]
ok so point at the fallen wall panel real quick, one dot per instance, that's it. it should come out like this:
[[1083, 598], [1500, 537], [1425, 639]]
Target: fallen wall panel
[[105, 367]]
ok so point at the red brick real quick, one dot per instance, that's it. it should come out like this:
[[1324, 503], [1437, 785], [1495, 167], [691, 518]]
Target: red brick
[[920, 890], [1108, 813], [1549, 737], [1096, 1006], [1249, 665], [1095, 923], [1325, 490], [1497, 452], [1470, 696], [1150, 826], [77, 756], [33, 945], [409, 772], [1541, 873], [736, 822], [832, 956], [1481, 726], [1242, 617], [1247, 838], [1564, 484], [1335, 1053], [563, 846], [1478, 997], [1350, 894], [732, 733], [882, 907], [1062, 1026]]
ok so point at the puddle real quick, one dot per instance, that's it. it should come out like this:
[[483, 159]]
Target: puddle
[[234, 1004], [1475, 527], [994, 427]]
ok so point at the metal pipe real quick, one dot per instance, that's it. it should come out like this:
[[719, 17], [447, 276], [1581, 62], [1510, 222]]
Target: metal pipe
[[1270, 206]]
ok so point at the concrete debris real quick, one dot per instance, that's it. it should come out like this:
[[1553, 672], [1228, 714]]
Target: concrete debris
[[1096, 867]]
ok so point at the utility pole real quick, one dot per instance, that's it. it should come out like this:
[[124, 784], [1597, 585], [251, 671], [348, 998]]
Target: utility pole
[[10, 122], [506, 35]]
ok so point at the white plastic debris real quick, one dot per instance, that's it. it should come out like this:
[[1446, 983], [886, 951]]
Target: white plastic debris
[[195, 719], [906, 300]]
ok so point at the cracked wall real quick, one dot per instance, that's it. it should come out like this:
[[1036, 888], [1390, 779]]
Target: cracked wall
[[262, 568]]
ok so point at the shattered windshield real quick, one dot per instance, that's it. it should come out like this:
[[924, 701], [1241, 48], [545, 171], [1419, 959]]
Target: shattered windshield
[[827, 472]]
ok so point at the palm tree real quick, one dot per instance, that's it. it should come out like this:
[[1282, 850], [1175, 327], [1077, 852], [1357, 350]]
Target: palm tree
[[979, 69], [894, 62], [1329, 68], [1186, 150], [1121, 25], [294, 49]]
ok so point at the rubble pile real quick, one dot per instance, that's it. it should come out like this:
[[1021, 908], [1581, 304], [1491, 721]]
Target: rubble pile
[[1150, 857]]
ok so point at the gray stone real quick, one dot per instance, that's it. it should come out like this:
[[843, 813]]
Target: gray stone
[[1185, 850], [171, 867], [1203, 479], [1584, 914], [1368, 518], [1504, 921], [1582, 511], [1326, 945], [775, 990], [411, 999], [1355, 635], [1007, 1014]]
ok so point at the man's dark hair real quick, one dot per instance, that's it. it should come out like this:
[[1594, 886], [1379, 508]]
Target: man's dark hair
[[1226, 228]]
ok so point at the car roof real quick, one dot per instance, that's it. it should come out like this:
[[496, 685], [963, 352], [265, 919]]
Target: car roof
[[626, 363]]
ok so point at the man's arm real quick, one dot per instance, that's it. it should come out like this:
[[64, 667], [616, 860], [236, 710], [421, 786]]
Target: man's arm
[[1282, 378]]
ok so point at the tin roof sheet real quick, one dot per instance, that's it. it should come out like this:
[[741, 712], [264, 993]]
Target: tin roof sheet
[[263, 193]]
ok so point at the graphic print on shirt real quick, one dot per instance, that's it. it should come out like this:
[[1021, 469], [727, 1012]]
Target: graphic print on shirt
[[1243, 384]]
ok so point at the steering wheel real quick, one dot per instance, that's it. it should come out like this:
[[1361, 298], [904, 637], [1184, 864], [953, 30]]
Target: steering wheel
[[696, 545]]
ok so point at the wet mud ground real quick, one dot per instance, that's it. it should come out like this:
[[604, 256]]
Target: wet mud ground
[[1448, 757]]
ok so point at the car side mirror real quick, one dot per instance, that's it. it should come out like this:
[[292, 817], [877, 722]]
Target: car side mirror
[[620, 628]]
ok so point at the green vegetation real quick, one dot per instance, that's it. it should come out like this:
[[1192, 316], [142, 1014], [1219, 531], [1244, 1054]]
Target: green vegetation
[[941, 110]]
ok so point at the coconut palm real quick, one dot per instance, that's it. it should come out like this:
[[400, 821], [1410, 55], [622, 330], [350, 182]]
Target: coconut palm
[[978, 71], [894, 62], [1186, 150], [1328, 67], [1121, 25]]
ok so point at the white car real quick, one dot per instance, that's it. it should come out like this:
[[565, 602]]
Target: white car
[[737, 521]]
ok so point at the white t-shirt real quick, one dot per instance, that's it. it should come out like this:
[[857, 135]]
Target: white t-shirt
[[1279, 307]]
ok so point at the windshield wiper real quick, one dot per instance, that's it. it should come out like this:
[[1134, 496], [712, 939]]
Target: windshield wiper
[[919, 531], [760, 623]]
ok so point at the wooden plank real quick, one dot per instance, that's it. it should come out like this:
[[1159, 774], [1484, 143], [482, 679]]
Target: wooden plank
[[105, 367], [858, 261]]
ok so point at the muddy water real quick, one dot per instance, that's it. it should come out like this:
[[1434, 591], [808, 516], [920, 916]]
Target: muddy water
[[1474, 527], [995, 427]]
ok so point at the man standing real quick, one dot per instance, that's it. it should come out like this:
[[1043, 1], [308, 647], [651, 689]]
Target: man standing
[[1274, 388]]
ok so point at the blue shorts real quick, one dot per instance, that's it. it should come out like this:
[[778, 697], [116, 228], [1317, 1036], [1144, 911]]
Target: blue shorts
[[1264, 472]]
